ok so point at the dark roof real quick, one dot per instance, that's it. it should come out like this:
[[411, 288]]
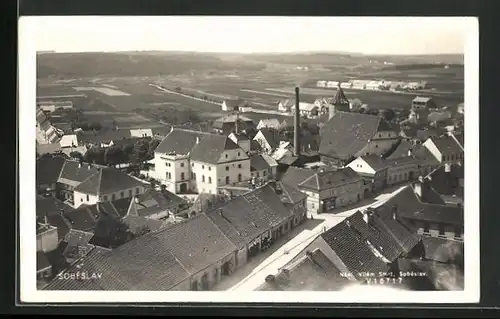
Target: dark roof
[[325, 179], [103, 136], [448, 183], [404, 238], [425, 156], [76, 239], [117, 208], [41, 261], [257, 163], [107, 180], [72, 172], [245, 217], [153, 202], [255, 146], [49, 206], [402, 150], [353, 251], [231, 119], [374, 161], [83, 218], [460, 138], [288, 159], [447, 145], [404, 160], [423, 135], [290, 194], [410, 207], [208, 150], [347, 133], [294, 175], [141, 257], [385, 244], [196, 243], [63, 225], [235, 103], [48, 170], [269, 136], [340, 98], [439, 116], [441, 250]]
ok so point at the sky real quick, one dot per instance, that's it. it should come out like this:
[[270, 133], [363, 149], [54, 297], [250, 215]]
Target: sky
[[384, 35]]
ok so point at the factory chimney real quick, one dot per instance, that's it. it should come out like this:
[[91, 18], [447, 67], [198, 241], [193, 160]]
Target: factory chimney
[[296, 126]]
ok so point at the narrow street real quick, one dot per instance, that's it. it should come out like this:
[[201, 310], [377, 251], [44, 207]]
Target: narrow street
[[277, 259]]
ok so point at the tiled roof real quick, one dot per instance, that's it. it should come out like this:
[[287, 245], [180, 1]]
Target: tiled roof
[[439, 116], [353, 251], [72, 174], [49, 206], [196, 243], [448, 183], [402, 149], [410, 207], [117, 208], [270, 161], [340, 98], [404, 238], [245, 217], [48, 170], [211, 147], [374, 161], [83, 218], [347, 133], [290, 194], [268, 135], [423, 135], [294, 175], [141, 257], [441, 250], [76, 238], [288, 159], [48, 148], [41, 261], [405, 160], [62, 225], [447, 145], [178, 141], [258, 163], [154, 202], [325, 179], [425, 156], [107, 180], [380, 240]]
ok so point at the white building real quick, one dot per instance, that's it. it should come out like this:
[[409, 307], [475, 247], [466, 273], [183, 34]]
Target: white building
[[141, 133], [321, 83], [267, 139], [269, 123], [332, 84], [446, 149], [195, 162], [286, 106]]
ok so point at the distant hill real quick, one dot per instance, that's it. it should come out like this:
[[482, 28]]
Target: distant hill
[[92, 64]]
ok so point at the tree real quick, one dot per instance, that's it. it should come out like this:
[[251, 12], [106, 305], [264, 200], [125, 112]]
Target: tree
[[114, 155], [76, 155], [95, 155], [140, 151], [388, 114]]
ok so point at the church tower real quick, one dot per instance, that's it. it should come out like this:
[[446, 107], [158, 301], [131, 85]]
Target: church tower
[[339, 103]]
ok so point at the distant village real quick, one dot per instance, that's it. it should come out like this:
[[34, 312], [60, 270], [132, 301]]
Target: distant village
[[183, 209]]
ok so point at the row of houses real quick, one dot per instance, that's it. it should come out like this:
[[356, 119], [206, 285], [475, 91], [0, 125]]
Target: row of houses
[[373, 85], [194, 254]]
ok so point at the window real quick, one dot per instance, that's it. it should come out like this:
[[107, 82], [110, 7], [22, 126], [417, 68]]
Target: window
[[88, 198], [137, 190], [264, 173], [239, 165], [122, 194], [239, 177], [203, 178], [81, 199], [182, 176], [192, 164], [105, 198], [194, 176], [376, 146], [226, 155], [258, 175], [227, 180], [312, 205], [113, 197], [182, 164], [227, 168], [210, 168], [210, 180], [238, 153]]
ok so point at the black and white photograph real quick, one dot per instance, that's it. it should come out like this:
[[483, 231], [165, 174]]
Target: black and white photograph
[[249, 159]]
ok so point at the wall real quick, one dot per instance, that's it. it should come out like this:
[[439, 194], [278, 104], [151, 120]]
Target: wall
[[401, 173], [81, 198], [47, 241], [264, 174], [346, 194], [434, 228], [214, 276], [232, 159], [205, 171], [380, 143]]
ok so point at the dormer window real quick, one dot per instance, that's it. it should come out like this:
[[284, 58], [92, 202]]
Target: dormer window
[[238, 153], [226, 155]]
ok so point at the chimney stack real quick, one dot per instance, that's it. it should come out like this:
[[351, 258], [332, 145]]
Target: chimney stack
[[409, 152], [296, 138], [237, 123], [447, 167]]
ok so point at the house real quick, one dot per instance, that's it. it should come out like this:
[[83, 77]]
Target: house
[[286, 106], [50, 211], [349, 135], [46, 238], [362, 249], [104, 138], [190, 262], [439, 117], [321, 83], [269, 123], [373, 85], [190, 161], [402, 169], [47, 172], [267, 139], [232, 123], [242, 140], [141, 133], [326, 189], [232, 105], [69, 141], [422, 210], [308, 110], [254, 221], [415, 86], [445, 149], [448, 182], [261, 168], [153, 204], [373, 170], [359, 84], [332, 84], [346, 85], [421, 103]]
